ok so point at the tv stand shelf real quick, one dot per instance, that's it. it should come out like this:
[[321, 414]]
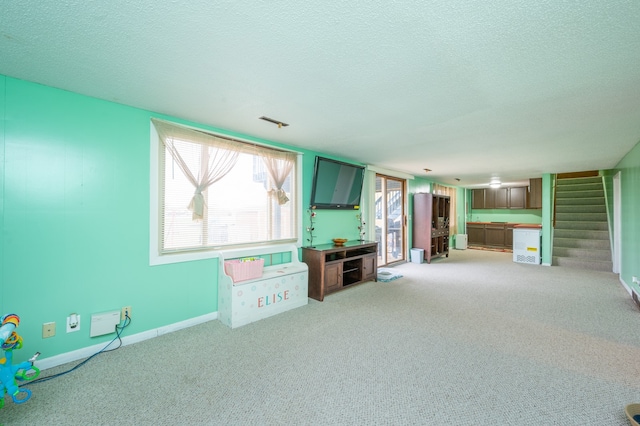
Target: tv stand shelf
[[332, 268]]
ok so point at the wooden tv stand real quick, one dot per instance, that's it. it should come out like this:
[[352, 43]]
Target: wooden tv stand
[[332, 268]]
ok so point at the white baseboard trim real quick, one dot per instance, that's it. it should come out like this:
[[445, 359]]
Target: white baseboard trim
[[625, 285], [86, 352]]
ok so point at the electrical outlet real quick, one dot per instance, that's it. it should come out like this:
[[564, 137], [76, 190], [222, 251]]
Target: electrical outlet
[[48, 329], [126, 310], [73, 323]]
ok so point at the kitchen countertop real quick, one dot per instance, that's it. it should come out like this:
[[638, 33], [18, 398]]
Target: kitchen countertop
[[514, 224]]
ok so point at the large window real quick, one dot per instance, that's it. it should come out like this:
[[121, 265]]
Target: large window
[[216, 192]]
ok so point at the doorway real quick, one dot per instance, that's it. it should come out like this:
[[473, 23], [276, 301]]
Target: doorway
[[390, 220]]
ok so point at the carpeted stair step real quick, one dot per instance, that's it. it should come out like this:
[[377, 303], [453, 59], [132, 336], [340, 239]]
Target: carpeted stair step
[[591, 181], [581, 243], [568, 193], [582, 253], [581, 234], [592, 201], [581, 208], [589, 225], [581, 217], [591, 265]]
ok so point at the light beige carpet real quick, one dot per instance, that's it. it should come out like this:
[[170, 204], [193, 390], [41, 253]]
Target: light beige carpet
[[473, 339]]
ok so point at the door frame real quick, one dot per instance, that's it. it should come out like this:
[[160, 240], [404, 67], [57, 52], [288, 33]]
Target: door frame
[[383, 241], [617, 219]]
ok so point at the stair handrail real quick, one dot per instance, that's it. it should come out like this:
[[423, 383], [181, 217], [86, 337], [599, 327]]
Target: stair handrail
[[554, 182]]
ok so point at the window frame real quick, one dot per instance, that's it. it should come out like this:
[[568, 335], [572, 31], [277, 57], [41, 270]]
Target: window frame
[[156, 257]]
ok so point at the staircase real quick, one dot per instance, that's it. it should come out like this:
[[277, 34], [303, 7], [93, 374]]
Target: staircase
[[581, 234]]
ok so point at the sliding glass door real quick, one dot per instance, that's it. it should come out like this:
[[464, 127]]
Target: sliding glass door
[[390, 219]]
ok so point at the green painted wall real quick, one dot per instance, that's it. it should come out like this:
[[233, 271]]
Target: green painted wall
[[74, 216], [546, 248], [629, 168], [75, 220], [506, 215]]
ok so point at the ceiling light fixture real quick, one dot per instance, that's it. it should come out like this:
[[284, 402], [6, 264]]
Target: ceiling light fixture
[[427, 170], [495, 184], [271, 120]]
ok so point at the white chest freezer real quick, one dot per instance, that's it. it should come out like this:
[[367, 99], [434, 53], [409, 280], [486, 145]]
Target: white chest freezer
[[526, 245]]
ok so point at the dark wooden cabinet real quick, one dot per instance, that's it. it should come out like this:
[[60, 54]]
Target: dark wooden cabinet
[[370, 268], [431, 224], [477, 198], [332, 277], [534, 196], [332, 268], [518, 197], [494, 235], [508, 235], [475, 234], [491, 234], [499, 198]]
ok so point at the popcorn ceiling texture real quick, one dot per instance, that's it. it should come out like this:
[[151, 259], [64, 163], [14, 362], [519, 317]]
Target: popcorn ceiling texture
[[471, 77]]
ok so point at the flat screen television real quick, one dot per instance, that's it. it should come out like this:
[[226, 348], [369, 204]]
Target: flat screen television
[[336, 185]]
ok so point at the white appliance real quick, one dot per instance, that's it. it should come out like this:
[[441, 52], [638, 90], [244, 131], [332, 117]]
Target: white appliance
[[526, 245], [461, 241]]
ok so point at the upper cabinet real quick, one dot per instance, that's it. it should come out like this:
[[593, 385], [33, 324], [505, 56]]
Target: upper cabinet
[[477, 198], [534, 196], [518, 197], [500, 198]]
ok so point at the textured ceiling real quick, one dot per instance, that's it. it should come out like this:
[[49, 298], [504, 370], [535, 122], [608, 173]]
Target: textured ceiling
[[467, 89]]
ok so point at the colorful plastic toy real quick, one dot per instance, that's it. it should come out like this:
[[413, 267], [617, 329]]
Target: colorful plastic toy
[[10, 340]]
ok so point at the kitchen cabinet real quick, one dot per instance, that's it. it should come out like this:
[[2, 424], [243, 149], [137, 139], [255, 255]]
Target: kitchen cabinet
[[477, 198], [494, 235], [508, 235], [499, 198], [475, 234], [518, 197], [534, 196], [497, 235]]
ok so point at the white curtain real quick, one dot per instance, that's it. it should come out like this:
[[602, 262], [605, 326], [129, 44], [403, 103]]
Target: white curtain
[[222, 155], [279, 165]]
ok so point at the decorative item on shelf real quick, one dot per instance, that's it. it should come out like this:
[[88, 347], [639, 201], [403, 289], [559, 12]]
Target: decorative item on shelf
[[339, 242], [311, 228], [361, 225]]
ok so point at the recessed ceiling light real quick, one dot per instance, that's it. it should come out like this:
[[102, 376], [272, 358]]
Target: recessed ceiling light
[[271, 120]]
